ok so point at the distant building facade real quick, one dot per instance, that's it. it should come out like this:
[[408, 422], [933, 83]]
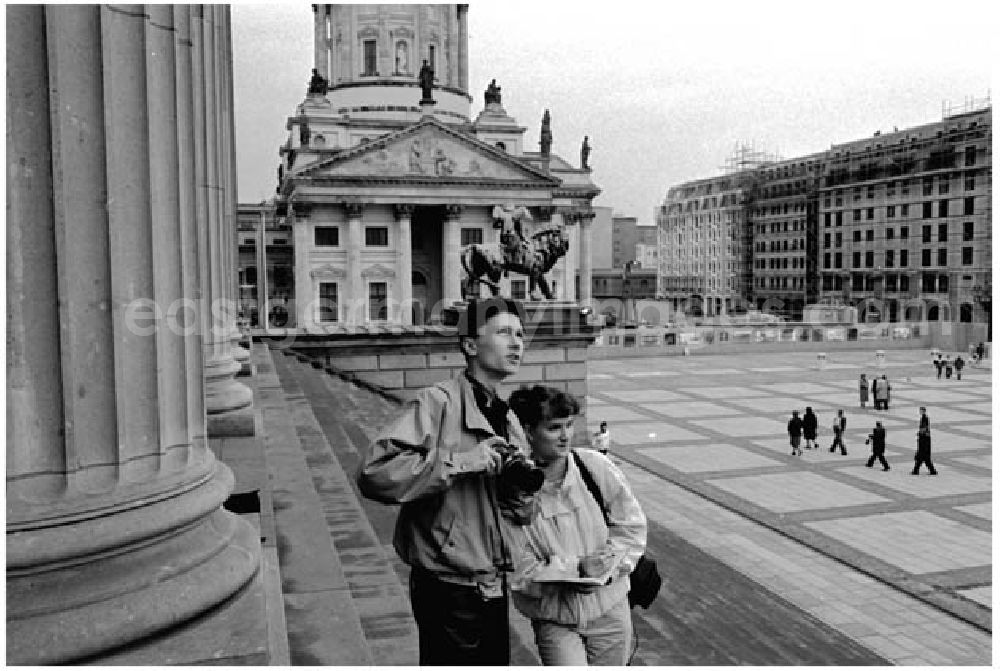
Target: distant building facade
[[273, 293], [384, 186], [626, 233], [898, 225]]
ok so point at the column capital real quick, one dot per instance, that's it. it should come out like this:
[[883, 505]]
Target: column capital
[[403, 210], [354, 209]]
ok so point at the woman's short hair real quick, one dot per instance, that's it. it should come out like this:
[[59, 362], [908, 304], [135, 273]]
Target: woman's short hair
[[539, 404]]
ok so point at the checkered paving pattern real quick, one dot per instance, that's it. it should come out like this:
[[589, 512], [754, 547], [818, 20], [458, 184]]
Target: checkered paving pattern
[[721, 433]]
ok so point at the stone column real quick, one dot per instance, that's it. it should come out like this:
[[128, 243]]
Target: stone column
[[463, 47], [305, 293], [451, 289], [321, 52], [263, 288], [115, 530], [354, 300], [227, 401], [404, 264], [586, 257]]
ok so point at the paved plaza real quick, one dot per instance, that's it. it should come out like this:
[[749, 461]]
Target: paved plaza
[[767, 559], [901, 563]]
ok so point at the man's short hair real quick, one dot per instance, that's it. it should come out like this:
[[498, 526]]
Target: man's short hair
[[480, 310]]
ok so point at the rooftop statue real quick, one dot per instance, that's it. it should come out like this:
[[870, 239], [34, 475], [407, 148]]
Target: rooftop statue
[[426, 77], [318, 83], [584, 154], [492, 94], [546, 134]]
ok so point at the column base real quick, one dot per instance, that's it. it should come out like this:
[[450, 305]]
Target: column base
[[232, 424], [140, 571]]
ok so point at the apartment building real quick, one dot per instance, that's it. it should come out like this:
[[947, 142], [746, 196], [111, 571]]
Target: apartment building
[[626, 233]]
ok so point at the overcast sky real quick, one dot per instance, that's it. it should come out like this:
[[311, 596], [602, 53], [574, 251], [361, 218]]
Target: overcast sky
[[666, 90]]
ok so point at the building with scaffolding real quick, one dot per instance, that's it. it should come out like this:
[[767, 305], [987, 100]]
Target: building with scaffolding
[[897, 224]]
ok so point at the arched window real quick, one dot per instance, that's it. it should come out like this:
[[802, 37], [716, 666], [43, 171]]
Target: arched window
[[932, 313]]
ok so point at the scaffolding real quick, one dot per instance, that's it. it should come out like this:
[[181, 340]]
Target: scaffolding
[[746, 156], [968, 105]]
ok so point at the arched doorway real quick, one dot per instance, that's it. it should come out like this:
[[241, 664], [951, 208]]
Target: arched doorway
[[933, 313], [965, 313]]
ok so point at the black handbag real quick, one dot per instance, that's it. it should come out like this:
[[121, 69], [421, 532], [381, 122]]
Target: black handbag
[[645, 579]]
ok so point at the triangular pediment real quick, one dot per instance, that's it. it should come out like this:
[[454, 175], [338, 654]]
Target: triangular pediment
[[429, 150]]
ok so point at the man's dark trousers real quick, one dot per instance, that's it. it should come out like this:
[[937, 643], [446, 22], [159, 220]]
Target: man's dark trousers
[[881, 457], [457, 626]]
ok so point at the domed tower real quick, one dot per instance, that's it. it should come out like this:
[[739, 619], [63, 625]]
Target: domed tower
[[371, 57]]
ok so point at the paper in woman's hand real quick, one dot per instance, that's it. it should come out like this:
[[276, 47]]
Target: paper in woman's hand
[[561, 569]]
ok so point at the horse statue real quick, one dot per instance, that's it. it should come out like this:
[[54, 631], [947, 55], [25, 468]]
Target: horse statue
[[488, 262]]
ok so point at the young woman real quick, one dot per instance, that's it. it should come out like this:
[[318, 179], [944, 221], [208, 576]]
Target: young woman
[[575, 624]]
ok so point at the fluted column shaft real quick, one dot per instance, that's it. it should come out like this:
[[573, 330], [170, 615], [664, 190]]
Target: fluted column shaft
[[114, 523], [586, 258], [355, 301], [451, 289], [404, 265]]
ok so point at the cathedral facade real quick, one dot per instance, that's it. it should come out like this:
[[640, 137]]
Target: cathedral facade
[[386, 178]]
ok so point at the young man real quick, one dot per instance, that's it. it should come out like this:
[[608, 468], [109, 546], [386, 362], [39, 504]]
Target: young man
[[447, 460], [795, 433]]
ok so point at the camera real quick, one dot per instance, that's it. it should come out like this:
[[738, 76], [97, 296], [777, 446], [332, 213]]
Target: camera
[[518, 473]]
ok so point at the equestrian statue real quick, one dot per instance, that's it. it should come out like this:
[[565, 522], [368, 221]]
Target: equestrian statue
[[519, 251]]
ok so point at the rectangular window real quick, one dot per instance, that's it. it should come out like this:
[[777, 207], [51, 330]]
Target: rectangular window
[[942, 208], [378, 301], [970, 181], [904, 210], [826, 260], [928, 210], [857, 215], [857, 236], [870, 235], [871, 191], [838, 260], [925, 257], [472, 236], [890, 258], [838, 240], [890, 211], [370, 58], [890, 283], [970, 156], [857, 282], [942, 284], [904, 187], [904, 232], [943, 184], [840, 219], [968, 230], [904, 281], [856, 260], [942, 256], [826, 241], [942, 232], [926, 233], [870, 213], [889, 233], [869, 259], [328, 301], [376, 236], [826, 219], [966, 256], [904, 258], [928, 186], [970, 204], [518, 290], [326, 236]]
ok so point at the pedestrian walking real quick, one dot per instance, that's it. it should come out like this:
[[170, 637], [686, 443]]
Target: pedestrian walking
[[809, 426], [576, 624], [602, 439], [863, 389], [458, 461], [959, 365], [877, 440], [947, 367], [939, 364], [981, 352], [923, 455], [877, 392], [839, 426], [888, 391], [795, 433]]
